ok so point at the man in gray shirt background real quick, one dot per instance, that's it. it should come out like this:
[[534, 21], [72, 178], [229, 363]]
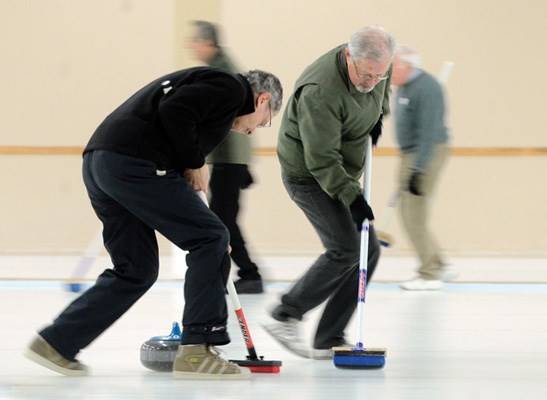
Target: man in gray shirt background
[[422, 137]]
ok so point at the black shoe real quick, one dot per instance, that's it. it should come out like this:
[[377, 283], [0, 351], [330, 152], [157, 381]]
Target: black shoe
[[249, 286]]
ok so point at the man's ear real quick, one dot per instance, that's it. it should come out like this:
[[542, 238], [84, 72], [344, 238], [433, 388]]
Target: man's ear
[[347, 52], [263, 97]]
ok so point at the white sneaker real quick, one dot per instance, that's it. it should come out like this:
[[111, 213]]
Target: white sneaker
[[421, 284], [287, 333], [449, 274]]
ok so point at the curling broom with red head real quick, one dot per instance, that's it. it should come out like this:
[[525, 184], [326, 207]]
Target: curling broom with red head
[[253, 361], [360, 357]]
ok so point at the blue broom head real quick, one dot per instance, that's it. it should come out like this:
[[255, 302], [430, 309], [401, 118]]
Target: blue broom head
[[384, 238], [359, 362], [359, 358], [384, 243]]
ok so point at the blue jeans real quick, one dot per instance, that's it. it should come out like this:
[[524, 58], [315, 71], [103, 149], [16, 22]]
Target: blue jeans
[[333, 277], [133, 200]]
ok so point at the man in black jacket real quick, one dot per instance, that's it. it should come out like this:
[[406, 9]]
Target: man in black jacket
[[142, 168]]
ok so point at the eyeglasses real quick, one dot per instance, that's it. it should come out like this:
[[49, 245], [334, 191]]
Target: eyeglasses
[[269, 123], [369, 77]]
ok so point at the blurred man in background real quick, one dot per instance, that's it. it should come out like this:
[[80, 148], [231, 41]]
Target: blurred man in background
[[422, 137], [230, 164]]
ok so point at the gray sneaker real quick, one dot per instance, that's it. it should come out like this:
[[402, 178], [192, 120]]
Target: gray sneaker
[[202, 361], [287, 333], [42, 353]]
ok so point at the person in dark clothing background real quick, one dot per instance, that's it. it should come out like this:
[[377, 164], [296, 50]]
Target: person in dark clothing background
[[230, 164], [142, 168]]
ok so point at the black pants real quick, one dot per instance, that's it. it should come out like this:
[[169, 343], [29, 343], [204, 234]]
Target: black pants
[[133, 200], [333, 277], [227, 181]]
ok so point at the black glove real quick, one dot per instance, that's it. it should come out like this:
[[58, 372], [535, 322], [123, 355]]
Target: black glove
[[376, 130], [360, 210], [415, 183]]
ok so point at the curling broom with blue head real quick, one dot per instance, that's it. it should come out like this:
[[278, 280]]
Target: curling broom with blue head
[[359, 356]]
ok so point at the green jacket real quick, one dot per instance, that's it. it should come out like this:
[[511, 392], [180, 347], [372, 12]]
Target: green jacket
[[236, 148], [325, 126]]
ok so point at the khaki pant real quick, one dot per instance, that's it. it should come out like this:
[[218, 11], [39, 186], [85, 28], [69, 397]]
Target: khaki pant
[[415, 212]]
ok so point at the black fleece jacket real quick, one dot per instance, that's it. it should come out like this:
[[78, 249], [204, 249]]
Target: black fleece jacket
[[177, 119]]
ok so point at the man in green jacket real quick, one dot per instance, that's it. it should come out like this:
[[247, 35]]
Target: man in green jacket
[[230, 160], [337, 104]]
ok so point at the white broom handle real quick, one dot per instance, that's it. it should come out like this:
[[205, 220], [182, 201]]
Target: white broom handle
[[387, 215], [363, 257], [445, 72], [368, 170]]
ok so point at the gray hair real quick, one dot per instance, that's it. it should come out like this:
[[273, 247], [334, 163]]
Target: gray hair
[[408, 55], [206, 31], [262, 82], [371, 42]]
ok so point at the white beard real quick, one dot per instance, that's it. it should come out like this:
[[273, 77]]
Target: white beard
[[363, 90]]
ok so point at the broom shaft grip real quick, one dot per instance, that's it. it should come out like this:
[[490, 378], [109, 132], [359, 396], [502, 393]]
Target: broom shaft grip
[[233, 294]]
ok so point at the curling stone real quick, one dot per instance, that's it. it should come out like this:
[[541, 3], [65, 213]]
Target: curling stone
[[158, 353]]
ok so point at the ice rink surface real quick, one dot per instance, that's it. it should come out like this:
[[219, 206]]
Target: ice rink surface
[[469, 341]]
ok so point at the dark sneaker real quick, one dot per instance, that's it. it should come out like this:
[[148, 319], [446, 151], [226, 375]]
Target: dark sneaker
[[326, 354], [42, 353], [248, 286], [202, 361]]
